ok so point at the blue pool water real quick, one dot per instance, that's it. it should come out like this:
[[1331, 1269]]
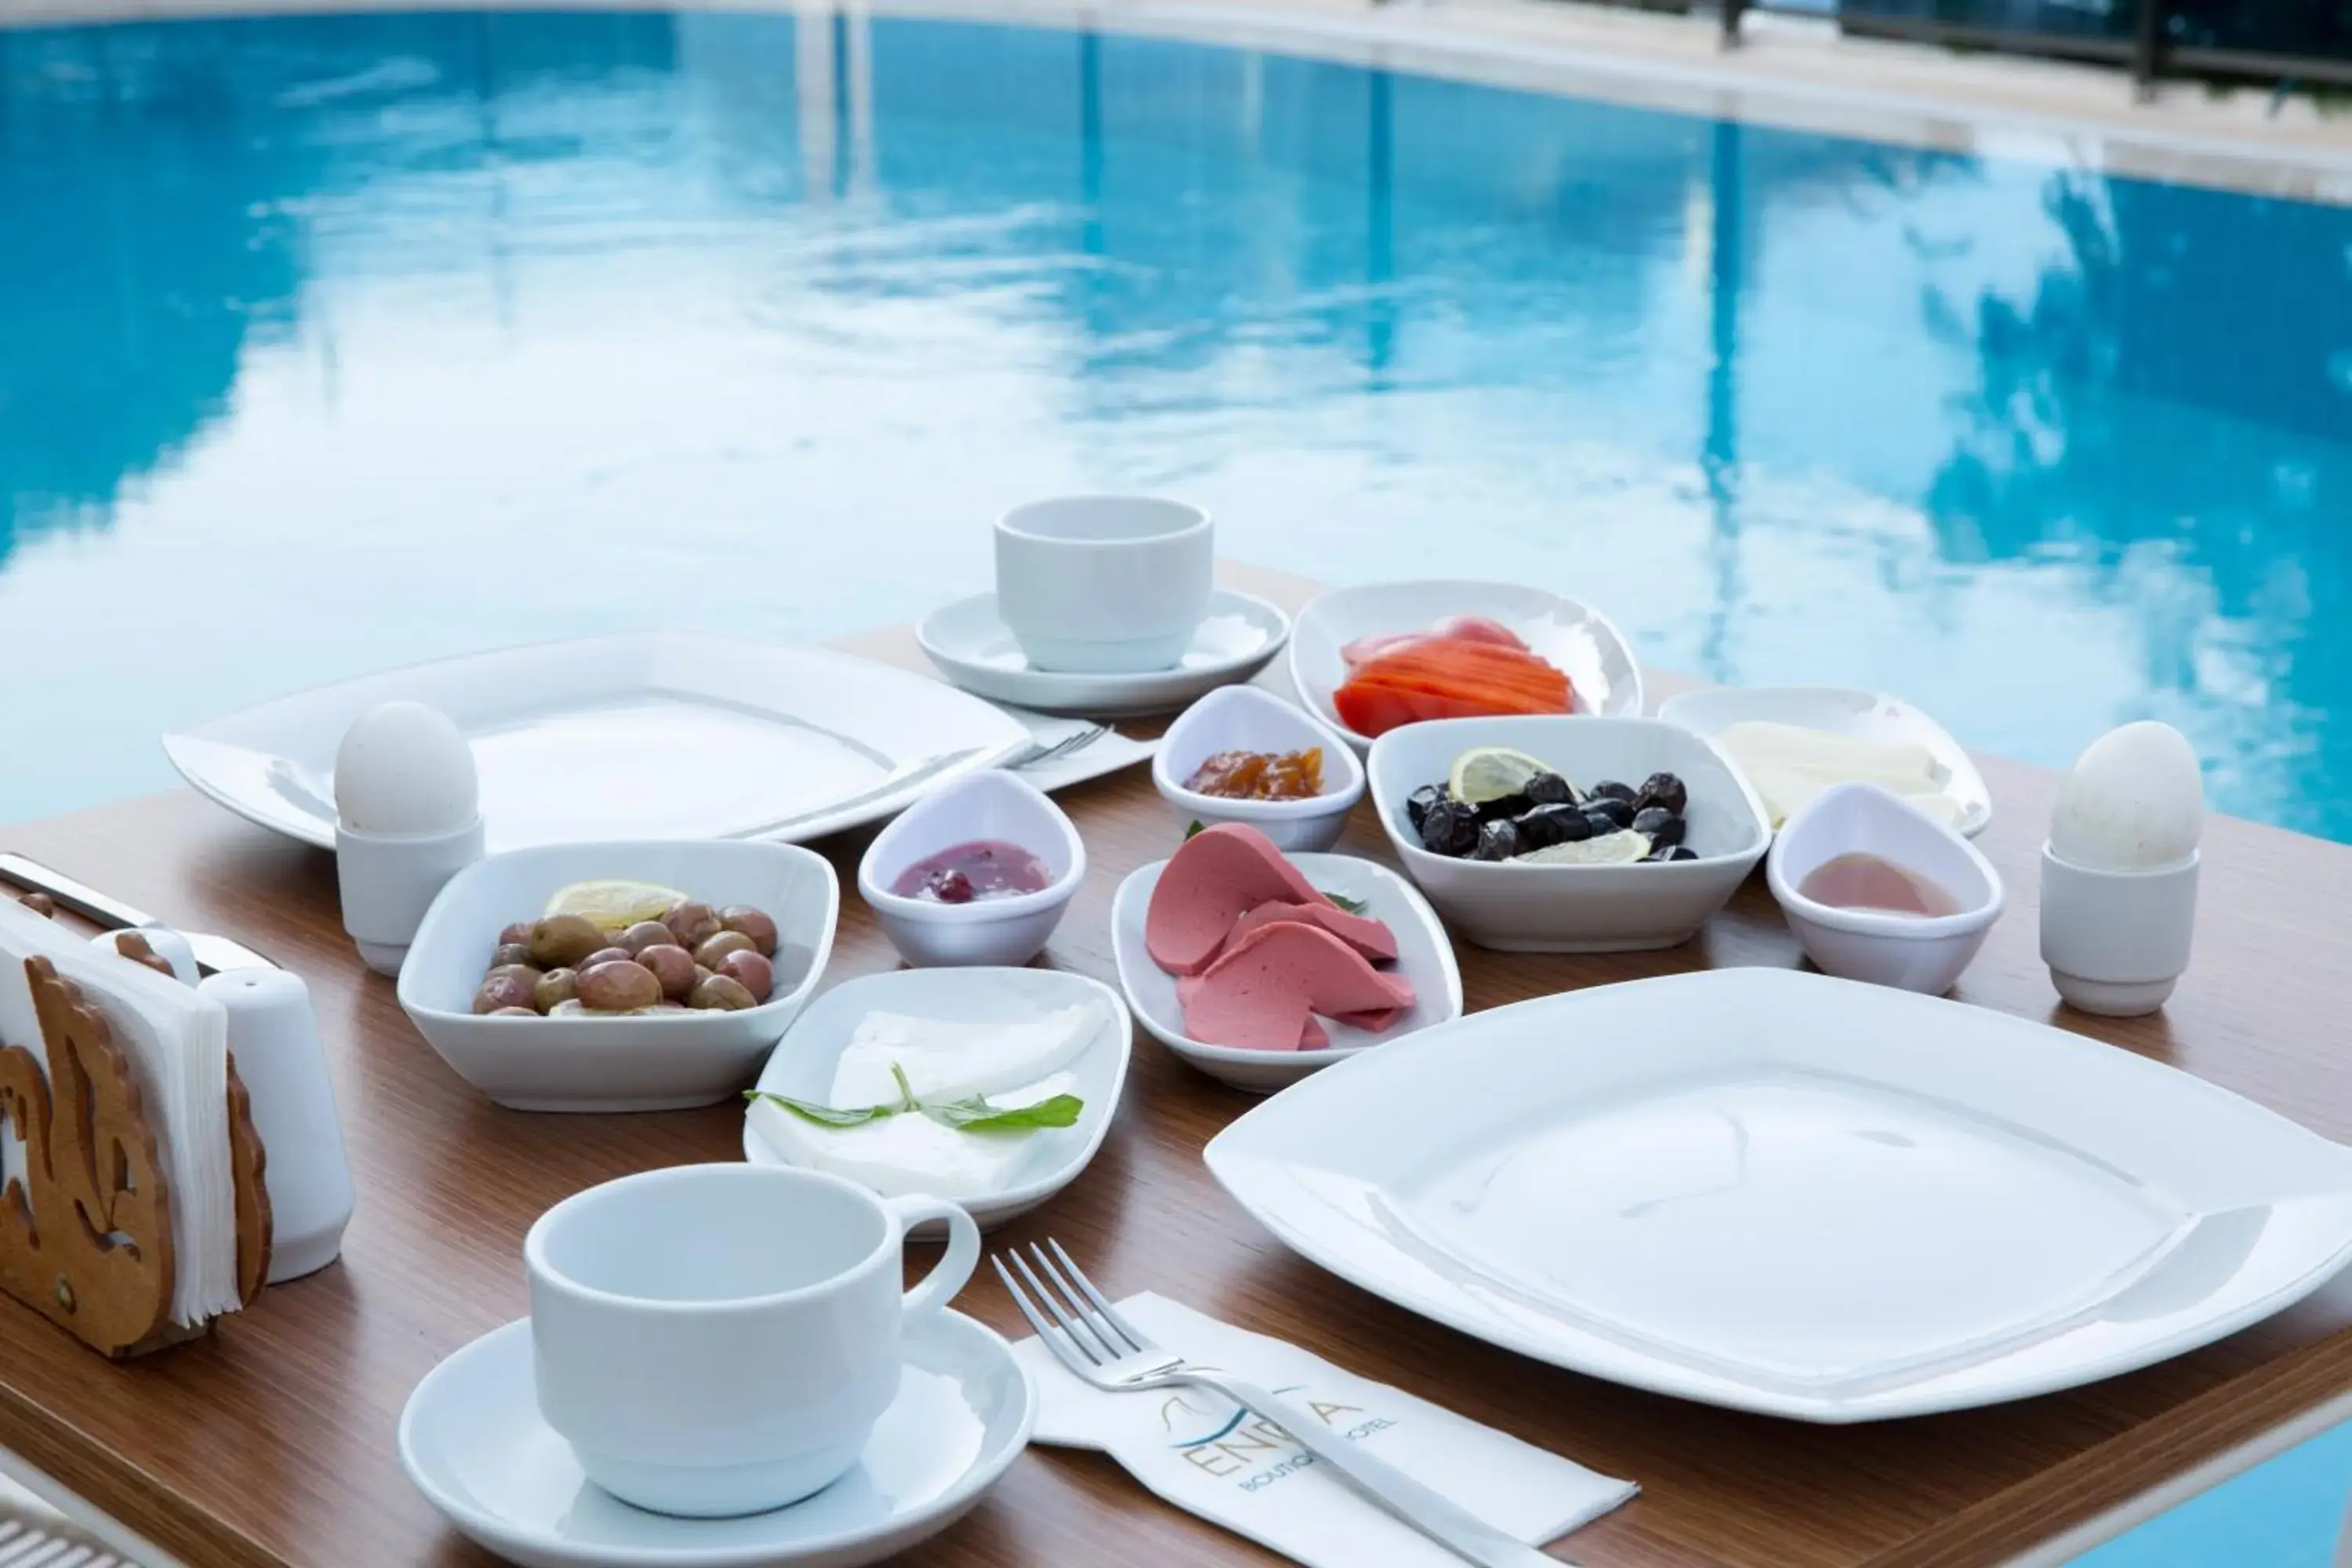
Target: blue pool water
[[332, 342]]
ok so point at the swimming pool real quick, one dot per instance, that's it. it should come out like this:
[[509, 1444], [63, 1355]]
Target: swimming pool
[[341, 342]]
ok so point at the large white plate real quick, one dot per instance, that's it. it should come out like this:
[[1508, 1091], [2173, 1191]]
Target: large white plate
[[1424, 958], [641, 735], [974, 648], [1866, 715], [1783, 1193], [807, 1056], [1578, 641]]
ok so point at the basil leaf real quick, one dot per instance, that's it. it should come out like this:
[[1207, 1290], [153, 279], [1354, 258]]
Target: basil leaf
[[1346, 904], [976, 1115], [1196, 828], [825, 1115]]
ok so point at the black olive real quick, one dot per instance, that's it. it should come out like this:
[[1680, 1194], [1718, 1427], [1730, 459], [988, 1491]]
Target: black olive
[[1499, 841], [1663, 790], [1607, 813], [1663, 827], [1504, 805], [1417, 804], [1673, 852], [1551, 789], [1609, 789], [1449, 828], [1548, 825]]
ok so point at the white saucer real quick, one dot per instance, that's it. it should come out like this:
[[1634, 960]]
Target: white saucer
[[472, 1441], [973, 647]]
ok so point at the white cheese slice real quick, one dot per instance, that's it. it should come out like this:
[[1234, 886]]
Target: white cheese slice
[[944, 1059], [1790, 764], [909, 1153]]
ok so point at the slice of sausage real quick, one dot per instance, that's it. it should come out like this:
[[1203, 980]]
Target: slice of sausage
[[1218, 876], [1262, 992], [1370, 937]]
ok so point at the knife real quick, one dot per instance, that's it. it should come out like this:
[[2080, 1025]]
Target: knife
[[214, 953]]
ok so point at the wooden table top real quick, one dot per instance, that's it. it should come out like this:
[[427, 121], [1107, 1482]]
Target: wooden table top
[[272, 1441]]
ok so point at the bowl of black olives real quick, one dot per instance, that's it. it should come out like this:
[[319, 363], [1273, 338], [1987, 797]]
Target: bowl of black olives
[[1571, 834]]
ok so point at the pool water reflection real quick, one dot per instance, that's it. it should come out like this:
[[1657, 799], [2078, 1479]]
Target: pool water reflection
[[332, 342]]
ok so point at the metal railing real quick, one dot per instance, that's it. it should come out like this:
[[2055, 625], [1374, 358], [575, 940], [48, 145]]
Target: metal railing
[[2154, 46]]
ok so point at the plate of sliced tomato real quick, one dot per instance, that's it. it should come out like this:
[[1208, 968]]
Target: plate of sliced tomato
[[1377, 656]]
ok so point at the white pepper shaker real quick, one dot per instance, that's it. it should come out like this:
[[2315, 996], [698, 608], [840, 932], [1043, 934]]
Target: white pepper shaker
[[407, 818], [273, 1036], [2119, 871]]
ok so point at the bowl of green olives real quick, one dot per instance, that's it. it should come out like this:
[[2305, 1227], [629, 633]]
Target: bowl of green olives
[[633, 976]]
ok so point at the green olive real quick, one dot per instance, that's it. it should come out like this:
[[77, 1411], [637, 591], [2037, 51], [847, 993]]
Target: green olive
[[555, 985], [673, 966], [718, 947], [561, 941], [617, 985], [501, 990], [721, 994], [757, 924]]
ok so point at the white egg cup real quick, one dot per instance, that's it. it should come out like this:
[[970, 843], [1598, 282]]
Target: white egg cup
[[388, 881], [2117, 941]]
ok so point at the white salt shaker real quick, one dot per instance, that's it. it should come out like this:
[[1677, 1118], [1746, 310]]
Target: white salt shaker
[[2119, 871], [274, 1037], [407, 818]]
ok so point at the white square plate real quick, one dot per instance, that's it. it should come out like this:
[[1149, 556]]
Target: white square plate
[[1783, 1193], [641, 735]]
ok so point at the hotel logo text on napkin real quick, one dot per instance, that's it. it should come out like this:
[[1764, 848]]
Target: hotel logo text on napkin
[[1198, 1450]]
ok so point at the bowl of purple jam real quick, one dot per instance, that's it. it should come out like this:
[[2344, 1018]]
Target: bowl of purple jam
[[977, 874]]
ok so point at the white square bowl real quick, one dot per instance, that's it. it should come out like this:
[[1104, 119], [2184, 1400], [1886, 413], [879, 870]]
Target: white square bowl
[[657, 1062], [1577, 909]]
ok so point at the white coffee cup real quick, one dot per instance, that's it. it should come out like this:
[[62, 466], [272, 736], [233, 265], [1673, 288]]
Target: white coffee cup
[[720, 1340], [1104, 584]]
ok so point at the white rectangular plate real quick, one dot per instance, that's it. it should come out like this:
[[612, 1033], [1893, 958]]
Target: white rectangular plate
[[1783, 1193], [641, 735]]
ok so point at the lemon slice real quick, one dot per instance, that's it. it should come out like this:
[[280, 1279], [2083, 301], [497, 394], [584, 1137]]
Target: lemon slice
[[614, 905], [1622, 847], [1486, 773]]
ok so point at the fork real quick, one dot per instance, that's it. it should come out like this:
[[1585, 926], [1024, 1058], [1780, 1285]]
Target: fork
[[1075, 740], [1087, 1335]]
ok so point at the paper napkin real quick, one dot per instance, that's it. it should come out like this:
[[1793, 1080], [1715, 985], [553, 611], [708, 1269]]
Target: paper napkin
[[1198, 1450], [177, 1045]]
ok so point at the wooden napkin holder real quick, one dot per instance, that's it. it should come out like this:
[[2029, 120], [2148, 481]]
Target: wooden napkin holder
[[88, 1246]]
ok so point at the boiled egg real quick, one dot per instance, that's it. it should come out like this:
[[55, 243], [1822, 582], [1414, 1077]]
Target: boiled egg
[[403, 768], [2135, 801]]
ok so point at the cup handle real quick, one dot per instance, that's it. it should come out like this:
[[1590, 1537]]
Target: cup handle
[[955, 1265]]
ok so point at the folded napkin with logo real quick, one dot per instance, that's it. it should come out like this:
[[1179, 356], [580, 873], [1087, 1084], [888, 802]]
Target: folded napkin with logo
[[1198, 1450]]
